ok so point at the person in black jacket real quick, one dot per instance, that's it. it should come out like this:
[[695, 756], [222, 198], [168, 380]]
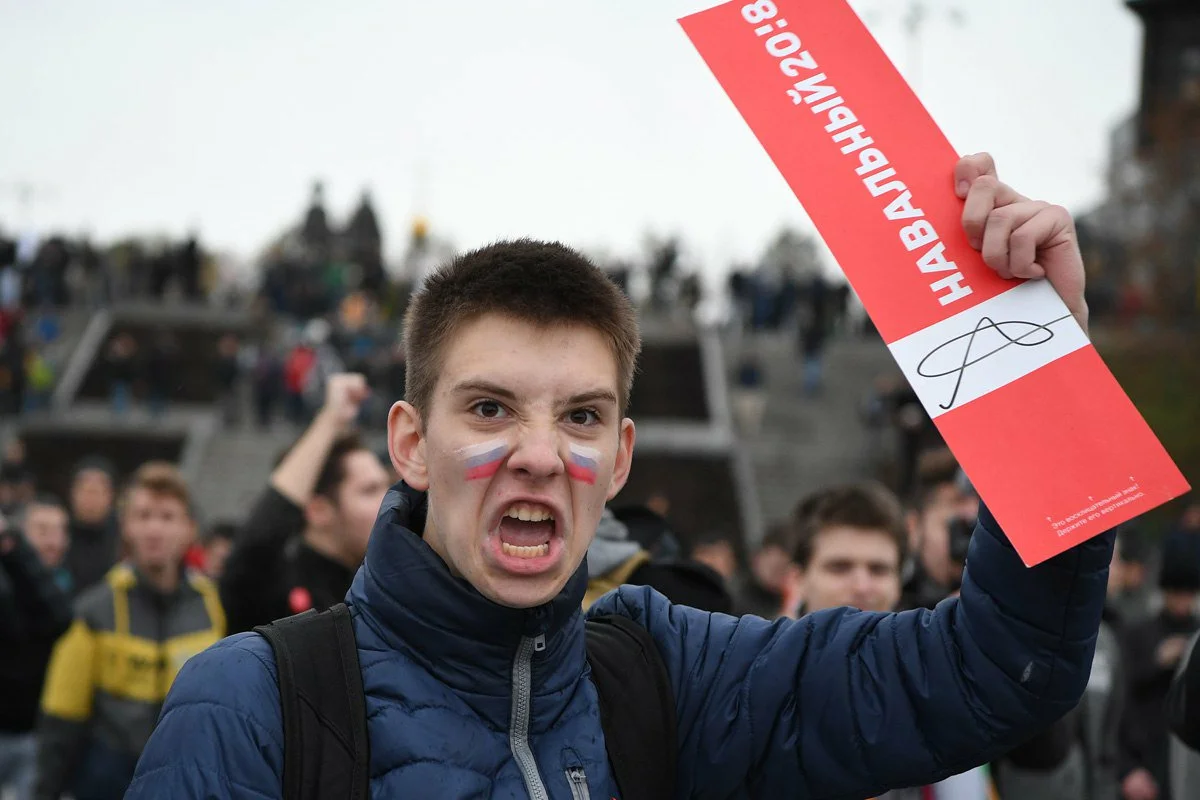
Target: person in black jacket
[[1183, 701], [95, 539], [34, 611], [308, 532], [1154, 650]]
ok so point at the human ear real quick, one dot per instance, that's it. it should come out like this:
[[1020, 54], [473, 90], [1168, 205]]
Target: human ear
[[625, 440], [406, 445], [318, 512]]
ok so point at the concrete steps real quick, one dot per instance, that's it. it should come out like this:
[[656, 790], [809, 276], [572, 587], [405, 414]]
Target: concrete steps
[[806, 443]]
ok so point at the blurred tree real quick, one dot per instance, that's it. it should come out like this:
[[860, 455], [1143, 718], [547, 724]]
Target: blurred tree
[[792, 254]]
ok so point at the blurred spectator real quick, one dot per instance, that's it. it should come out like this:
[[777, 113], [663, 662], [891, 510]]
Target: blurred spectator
[[297, 372], [161, 268], [161, 371], [97, 288], [716, 550], [268, 383], [1050, 766], [16, 481], [1154, 649], [14, 453], [940, 525], [1183, 713], [217, 544], [121, 366], [749, 394], [95, 541], [228, 379], [46, 527], [813, 333], [1184, 538], [660, 504], [10, 490], [915, 434], [49, 273], [650, 529], [34, 612], [39, 380], [850, 543], [326, 362], [1102, 704], [614, 559], [1131, 595], [189, 264], [111, 671], [13, 354], [761, 592], [308, 532]]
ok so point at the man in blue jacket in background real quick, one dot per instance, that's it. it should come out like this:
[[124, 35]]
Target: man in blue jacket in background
[[467, 608]]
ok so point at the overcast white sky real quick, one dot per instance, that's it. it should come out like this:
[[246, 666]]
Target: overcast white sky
[[591, 121]]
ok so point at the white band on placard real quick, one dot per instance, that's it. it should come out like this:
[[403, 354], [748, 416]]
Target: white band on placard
[[979, 350]]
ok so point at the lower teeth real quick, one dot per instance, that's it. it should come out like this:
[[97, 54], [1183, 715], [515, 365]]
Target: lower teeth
[[535, 551]]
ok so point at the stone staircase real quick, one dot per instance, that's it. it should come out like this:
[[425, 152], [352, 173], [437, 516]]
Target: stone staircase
[[234, 468], [806, 443], [803, 442]]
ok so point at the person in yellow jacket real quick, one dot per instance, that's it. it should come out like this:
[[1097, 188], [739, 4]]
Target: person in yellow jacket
[[132, 632]]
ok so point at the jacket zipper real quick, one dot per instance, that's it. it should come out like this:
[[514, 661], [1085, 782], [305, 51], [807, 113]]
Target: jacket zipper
[[577, 779], [518, 725]]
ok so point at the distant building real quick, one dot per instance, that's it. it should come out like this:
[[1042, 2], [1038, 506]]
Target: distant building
[[1170, 62], [315, 243], [1142, 243]]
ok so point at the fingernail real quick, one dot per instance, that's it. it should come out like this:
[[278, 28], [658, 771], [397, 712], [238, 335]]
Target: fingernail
[[963, 188]]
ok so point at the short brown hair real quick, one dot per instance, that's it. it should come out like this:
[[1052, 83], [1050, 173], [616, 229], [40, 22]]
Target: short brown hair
[[159, 478], [542, 283], [333, 471], [867, 505]]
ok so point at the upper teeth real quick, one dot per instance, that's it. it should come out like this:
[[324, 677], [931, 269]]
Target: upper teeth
[[528, 513]]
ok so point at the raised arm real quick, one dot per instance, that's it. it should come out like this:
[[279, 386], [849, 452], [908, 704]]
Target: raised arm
[[845, 704], [297, 474], [49, 607], [248, 584]]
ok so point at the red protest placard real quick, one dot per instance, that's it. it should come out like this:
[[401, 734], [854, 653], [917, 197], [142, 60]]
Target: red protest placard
[[1047, 436]]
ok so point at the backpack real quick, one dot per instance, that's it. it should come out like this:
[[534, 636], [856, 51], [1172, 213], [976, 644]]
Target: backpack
[[326, 747]]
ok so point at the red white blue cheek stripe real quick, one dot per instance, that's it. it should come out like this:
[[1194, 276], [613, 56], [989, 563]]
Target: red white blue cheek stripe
[[483, 460], [583, 464]]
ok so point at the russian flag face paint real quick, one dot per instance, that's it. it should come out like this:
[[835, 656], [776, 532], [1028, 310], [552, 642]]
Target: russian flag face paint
[[483, 460], [583, 464]]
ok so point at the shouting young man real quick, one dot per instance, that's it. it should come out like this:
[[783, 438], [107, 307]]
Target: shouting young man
[[467, 611]]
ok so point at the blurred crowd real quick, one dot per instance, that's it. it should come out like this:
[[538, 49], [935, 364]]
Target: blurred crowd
[[862, 546], [106, 592], [42, 278]]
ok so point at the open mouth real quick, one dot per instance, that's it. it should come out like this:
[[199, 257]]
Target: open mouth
[[526, 530]]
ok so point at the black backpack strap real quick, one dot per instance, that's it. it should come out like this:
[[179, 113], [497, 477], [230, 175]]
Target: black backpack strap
[[325, 745], [637, 707]]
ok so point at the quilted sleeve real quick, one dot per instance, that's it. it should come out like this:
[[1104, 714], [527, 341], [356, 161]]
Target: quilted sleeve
[[846, 704], [220, 734]]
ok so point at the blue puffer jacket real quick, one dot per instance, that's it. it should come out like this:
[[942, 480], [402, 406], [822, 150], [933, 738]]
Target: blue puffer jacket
[[840, 704]]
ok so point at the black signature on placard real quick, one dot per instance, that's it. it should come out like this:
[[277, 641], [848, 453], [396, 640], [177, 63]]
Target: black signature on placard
[[1042, 330]]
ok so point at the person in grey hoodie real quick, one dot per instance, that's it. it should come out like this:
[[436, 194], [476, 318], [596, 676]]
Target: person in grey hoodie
[[614, 559]]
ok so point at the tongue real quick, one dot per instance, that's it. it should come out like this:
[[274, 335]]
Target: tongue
[[525, 534]]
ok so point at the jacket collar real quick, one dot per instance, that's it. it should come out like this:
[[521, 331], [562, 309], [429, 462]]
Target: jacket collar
[[414, 604]]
